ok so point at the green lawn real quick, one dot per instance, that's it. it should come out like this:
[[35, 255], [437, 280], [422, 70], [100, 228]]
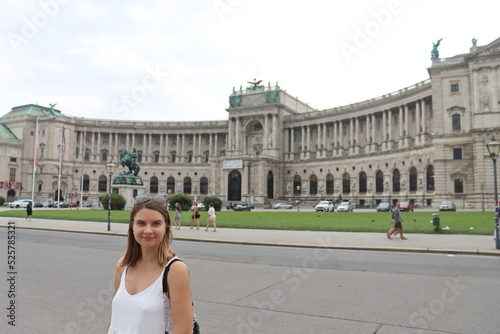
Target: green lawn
[[415, 222]]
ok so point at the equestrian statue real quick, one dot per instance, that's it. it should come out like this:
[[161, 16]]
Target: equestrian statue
[[129, 160]]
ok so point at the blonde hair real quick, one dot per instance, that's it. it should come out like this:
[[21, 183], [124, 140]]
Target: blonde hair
[[133, 252]]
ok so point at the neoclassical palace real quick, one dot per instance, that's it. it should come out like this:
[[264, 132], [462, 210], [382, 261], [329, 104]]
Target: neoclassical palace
[[424, 144]]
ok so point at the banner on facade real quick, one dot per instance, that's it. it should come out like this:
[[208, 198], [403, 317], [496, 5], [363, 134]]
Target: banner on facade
[[231, 164]]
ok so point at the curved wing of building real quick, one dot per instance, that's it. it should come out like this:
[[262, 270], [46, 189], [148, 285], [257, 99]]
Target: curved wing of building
[[423, 144]]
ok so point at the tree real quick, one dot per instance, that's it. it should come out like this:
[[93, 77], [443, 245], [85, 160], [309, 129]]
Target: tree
[[2, 200], [184, 201], [216, 201], [117, 202]]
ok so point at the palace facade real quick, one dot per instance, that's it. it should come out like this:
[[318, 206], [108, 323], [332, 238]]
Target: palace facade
[[424, 143]]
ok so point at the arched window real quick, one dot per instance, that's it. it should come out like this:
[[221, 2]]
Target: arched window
[[103, 183], [297, 184], [396, 181], [346, 183], [170, 185], [203, 186], [313, 185], [413, 179], [362, 182], [86, 182], [430, 177], [379, 182], [329, 184], [187, 185], [153, 185]]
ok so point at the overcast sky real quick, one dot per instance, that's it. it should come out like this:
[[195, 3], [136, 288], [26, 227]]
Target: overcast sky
[[180, 59]]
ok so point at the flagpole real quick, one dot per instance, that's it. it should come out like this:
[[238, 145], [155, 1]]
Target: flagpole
[[84, 147], [35, 162], [60, 168]]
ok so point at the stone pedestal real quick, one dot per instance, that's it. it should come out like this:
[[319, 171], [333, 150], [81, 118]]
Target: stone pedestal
[[127, 191]]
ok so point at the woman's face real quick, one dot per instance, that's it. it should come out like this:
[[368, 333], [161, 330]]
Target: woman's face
[[149, 228]]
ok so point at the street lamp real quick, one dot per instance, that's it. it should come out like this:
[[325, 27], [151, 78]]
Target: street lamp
[[298, 201], [110, 168], [493, 148]]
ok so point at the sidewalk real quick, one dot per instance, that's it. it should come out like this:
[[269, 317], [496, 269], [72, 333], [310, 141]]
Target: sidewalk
[[426, 243]]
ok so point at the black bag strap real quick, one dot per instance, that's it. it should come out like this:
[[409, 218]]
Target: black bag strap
[[165, 274]]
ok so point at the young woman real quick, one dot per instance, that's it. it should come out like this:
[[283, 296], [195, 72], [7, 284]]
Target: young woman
[[195, 216], [177, 218], [139, 304], [211, 217], [29, 211]]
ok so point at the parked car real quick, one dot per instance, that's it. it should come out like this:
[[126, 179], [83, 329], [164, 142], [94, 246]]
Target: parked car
[[22, 203], [406, 206], [62, 204], [324, 206], [201, 207], [345, 207], [38, 204], [447, 206], [383, 207], [278, 206], [242, 207]]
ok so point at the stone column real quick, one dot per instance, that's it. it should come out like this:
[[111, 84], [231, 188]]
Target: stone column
[[351, 136], [308, 142], [417, 123], [216, 151], [368, 134], [340, 151], [275, 132], [400, 126], [183, 147], [318, 143], [335, 138], [229, 139], [323, 153], [133, 141], [99, 145], [238, 134], [423, 130], [373, 141], [407, 125], [178, 149], [116, 147], [303, 143], [210, 150], [384, 130], [477, 94], [161, 158], [357, 137]]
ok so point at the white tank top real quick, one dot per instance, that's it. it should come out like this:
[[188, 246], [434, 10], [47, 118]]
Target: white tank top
[[141, 313]]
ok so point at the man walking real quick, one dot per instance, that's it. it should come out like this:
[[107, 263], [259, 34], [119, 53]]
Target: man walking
[[397, 221]]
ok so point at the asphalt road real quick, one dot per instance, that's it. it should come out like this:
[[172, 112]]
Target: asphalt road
[[63, 284]]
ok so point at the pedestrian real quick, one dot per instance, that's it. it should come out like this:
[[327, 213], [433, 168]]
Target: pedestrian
[[139, 304], [397, 221], [29, 211], [211, 217], [177, 218], [195, 216]]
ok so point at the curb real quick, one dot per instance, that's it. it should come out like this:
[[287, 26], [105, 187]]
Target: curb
[[356, 248]]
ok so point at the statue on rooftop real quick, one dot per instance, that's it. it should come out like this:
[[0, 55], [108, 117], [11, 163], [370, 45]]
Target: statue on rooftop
[[435, 52]]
